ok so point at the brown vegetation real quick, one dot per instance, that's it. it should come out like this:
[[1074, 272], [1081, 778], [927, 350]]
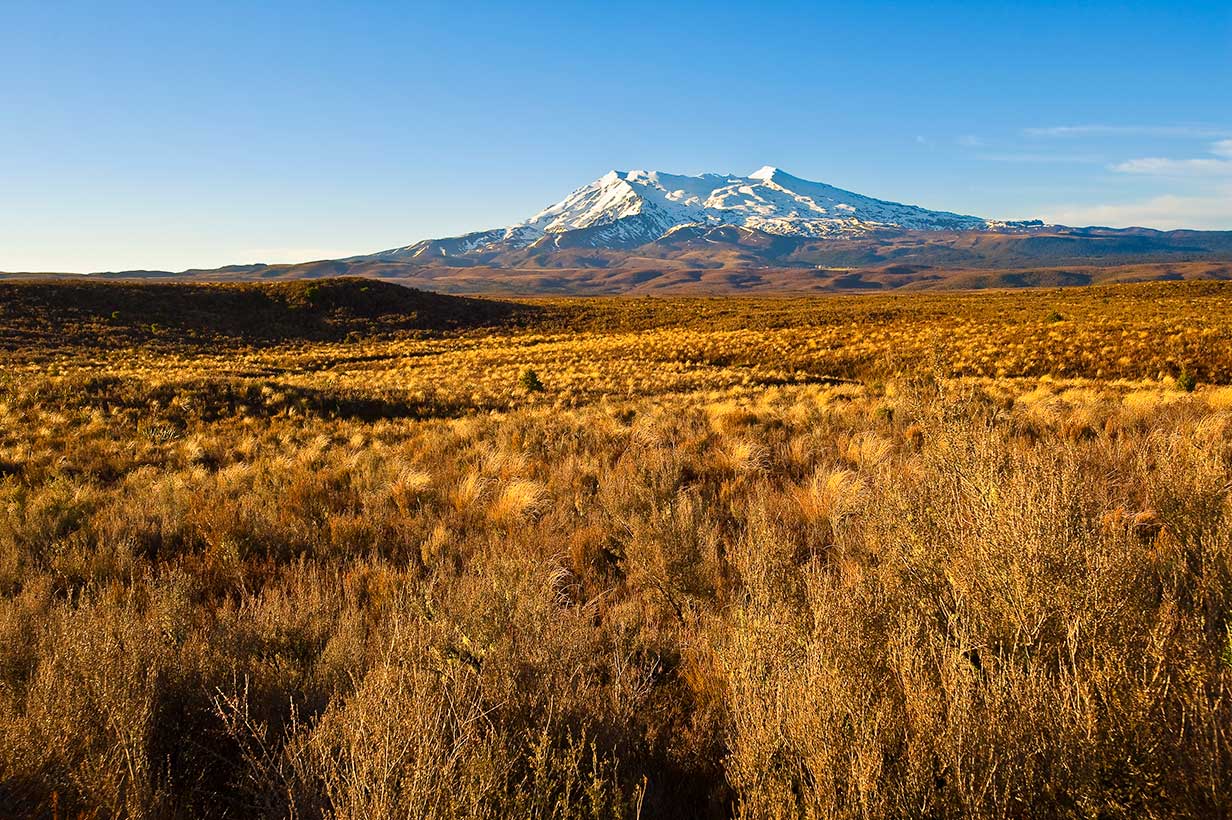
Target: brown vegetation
[[883, 557], [708, 274]]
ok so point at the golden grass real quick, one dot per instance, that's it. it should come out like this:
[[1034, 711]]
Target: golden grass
[[695, 577]]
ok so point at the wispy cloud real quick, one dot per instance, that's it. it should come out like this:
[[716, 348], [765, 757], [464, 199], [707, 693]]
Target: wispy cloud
[[1203, 167], [1036, 157], [970, 141], [1167, 212], [1166, 167], [1097, 130]]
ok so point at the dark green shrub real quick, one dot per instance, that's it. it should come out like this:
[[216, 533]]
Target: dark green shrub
[[530, 381]]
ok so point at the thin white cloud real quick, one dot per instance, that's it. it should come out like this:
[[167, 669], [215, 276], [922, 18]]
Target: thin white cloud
[[1163, 166], [970, 141], [1167, 212], [1203, 167], [1096, 130], [1027, 156]]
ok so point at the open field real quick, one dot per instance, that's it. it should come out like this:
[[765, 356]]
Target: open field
[[338, 549]]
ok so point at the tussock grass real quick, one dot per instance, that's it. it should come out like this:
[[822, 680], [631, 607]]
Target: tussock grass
[[657, 596]]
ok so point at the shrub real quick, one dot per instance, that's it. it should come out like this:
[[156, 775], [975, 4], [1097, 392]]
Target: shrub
[[530, 381]]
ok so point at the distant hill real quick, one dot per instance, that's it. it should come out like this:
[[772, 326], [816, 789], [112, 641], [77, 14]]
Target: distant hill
[[94, 312]]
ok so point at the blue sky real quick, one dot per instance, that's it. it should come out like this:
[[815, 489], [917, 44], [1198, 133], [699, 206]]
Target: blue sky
[[169, 135]]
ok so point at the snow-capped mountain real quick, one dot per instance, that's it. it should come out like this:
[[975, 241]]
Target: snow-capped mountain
[[628, 209]]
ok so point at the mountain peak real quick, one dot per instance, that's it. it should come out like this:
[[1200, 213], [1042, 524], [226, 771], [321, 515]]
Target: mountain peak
[[765, 172]]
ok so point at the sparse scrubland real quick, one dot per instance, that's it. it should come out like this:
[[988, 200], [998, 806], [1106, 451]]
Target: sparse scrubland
[[866, 557]]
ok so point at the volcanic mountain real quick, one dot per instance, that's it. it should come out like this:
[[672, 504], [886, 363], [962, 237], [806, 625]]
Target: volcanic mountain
[[623, 210]]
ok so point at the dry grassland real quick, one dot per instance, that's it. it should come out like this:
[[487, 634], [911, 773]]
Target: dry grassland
[[866, 557]]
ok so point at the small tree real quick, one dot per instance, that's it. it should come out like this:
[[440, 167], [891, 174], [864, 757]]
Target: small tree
[[530, 381], [1186, 382]]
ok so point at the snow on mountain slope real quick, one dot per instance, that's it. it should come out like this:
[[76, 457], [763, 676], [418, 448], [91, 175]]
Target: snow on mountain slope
[[780, 203], [517, 236], [626, 209]]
